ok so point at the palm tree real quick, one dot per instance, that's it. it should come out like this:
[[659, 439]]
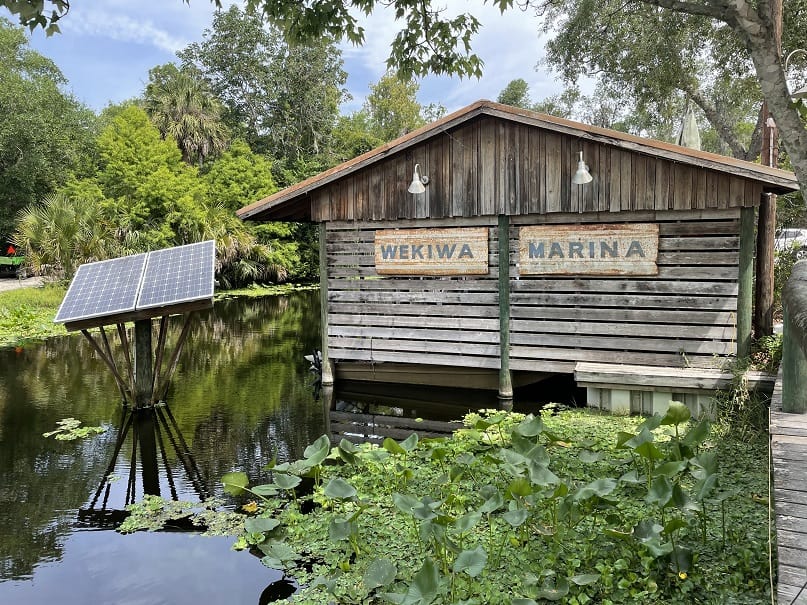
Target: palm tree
[[61, 232], [183, 109]]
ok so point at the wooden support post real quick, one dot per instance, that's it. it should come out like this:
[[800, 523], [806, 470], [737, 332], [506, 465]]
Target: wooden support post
[[327, 370], [110, 362], [143, 365], [505, 381], [158, 362], [746, 281], [165, 381], [146, 441], [766, 233], [794, 370], [127, 355]]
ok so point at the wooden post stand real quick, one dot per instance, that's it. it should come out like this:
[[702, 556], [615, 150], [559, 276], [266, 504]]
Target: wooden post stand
[[143, 368]]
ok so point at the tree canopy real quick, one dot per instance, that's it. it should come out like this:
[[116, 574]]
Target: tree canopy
[[45, 134]]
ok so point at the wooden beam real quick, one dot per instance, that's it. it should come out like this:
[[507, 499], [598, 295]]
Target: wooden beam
[[505, 380], [327, 370], [746, 280], [124, 341], [109, 362], [143, 364], [158, 362], [766, 233], [172, 364]]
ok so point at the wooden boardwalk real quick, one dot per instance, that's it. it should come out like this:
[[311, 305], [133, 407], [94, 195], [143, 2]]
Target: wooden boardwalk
[[789, 452]]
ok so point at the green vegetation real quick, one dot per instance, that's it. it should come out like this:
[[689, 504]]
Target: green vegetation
[[27, 314], [70, 429], [574, 507]]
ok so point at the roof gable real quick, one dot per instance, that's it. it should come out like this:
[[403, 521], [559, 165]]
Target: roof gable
[[296, 202]]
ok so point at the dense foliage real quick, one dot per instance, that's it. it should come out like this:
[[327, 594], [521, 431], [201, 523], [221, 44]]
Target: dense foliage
[[572, 507]]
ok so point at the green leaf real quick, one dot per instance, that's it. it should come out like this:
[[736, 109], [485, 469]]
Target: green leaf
[[278, 550], [317, 452], [531, 426], [589, 457], [339, 529], [704, 487], [599, 488], [267, 489], [284, 481], [234, 483], [472, 562], [633, 477], [496, 501], [677, 413], [660, 492], [520, 487], [541, 475], [426, 582], [698, 433], [642, 437], [647, 529], [670, 469], [522, 601], [392, 446], [259, 525], [380, 572], [467, 521], [585, 579], [339, 489], [516, 517], [649, 451], [405, 503], [410, 443], [673, 525]]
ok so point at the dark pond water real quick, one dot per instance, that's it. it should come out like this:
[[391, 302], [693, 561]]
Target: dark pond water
[[242, 394]]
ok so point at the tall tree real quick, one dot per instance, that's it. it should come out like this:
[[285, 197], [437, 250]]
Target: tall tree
[[45, 134], [182, 108], [392, 107], [517, 94], [283, 99]]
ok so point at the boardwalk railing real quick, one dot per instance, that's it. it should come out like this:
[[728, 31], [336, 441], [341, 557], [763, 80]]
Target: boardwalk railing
[[788, 430]]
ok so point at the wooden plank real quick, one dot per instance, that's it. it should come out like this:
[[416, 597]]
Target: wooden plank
[[436, 285], [459, 298], [642, 375], [660, 316], [615, 180], [649, 286], [460, 251], [407, 321], [487, 167], [469, 361], [626, 182], [417, 310], [413, 333], [666, 345], [554, 173], [537, 298], [699, 243], [577, 355], [659, 330]]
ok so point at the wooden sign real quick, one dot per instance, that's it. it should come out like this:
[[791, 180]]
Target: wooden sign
[[630, 249], [462, 251]]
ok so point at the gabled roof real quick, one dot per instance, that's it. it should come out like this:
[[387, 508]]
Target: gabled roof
[[773, 179]]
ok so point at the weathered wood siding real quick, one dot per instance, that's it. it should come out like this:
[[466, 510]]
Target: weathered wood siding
[[684, 316], [428, 320], [487, 167]]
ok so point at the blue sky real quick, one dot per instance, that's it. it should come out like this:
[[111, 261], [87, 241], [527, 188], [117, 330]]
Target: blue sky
[[107, 48]]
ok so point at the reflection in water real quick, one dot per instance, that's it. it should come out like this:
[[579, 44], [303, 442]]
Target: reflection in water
[[242, 394], [155, 436]]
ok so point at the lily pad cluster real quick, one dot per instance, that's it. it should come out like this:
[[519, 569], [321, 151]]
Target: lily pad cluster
[[508, 510]]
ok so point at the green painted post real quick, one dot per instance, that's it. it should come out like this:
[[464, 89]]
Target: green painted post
[[143, 370], [794, 370], [746, 283], [505, 381], [794, 341], [327, 370]]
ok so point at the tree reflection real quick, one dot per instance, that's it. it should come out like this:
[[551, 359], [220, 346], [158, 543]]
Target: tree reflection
[[242, 394]]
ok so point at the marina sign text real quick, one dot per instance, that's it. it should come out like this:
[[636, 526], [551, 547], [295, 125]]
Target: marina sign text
[[461, 251], [630, 249]]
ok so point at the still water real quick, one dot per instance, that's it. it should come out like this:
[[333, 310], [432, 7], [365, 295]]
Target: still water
[[242, 394]]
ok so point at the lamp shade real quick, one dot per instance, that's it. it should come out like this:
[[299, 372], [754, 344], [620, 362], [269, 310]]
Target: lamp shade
[[582, 176], [418, 184]]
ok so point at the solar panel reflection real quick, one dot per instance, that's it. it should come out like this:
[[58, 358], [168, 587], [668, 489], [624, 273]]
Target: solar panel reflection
[[102, 288], [177, 275]]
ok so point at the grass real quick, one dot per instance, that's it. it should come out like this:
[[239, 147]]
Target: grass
[[27, 314]]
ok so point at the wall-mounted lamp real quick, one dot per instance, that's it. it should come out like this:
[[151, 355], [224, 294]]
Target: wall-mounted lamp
[[419, 182], [801, 93], [582, 176]]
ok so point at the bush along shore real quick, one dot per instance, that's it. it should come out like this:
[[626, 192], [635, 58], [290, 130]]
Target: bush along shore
[[571, 506]]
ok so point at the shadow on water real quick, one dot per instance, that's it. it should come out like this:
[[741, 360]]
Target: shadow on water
[[243, 395]]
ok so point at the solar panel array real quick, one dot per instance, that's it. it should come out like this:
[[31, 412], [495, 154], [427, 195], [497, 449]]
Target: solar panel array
[[161, 278], [177, 275]]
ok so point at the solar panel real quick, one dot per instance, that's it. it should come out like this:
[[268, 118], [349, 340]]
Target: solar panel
[[177, 275], [106, 287], [129, 284]]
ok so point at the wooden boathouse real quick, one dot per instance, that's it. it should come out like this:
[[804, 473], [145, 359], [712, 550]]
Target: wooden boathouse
[[466, 253]]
